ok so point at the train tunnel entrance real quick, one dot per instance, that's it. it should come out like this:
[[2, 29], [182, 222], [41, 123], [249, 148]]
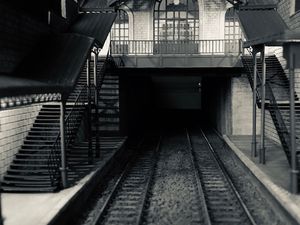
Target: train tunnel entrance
[[176, 98]]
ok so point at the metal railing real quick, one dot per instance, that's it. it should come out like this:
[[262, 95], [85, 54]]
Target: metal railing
[[198, 47], [54, 163], [74, 115], [72, 121], [273, 108]]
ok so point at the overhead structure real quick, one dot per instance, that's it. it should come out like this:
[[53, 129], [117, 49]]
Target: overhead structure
[[58, 72], [263, 26], [95, 25]]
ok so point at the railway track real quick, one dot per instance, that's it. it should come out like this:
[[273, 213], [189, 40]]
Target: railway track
[[183, 169], [126, 201], [223, 202]]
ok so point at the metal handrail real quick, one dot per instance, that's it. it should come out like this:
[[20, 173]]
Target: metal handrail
[[189, 47], [54, 160], [275, 113]]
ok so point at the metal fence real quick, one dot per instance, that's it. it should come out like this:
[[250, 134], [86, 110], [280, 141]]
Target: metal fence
[[199, 47]]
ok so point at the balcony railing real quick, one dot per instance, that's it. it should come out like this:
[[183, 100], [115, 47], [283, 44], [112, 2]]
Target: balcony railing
[[199, 47]]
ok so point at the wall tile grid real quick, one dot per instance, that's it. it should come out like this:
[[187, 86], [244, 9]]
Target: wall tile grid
[[14, 126]]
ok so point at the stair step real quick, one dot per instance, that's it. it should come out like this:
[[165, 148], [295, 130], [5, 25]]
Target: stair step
[[42, 136], [35, 183], [20, 177], [26, 155], [28, 166], [28, 171], [39, 124], [28, 189]]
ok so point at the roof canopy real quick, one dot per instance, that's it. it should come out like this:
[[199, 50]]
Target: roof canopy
[[95, 4], [261, 26], [50, 68], [96, 25]]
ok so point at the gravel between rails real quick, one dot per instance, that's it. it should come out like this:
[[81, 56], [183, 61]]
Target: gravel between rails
[[259, 206], [174, 198]]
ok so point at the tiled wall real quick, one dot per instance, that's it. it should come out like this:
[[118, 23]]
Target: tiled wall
[[14, 126]]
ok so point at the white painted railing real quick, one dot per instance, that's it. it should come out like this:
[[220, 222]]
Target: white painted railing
[[199, 47]]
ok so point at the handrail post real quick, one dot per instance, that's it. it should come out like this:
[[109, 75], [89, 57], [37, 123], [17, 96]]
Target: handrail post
[[253, 144], [1, 217], [262, 150], [96, 105], [294, 164], [63, 168], [89, 114]]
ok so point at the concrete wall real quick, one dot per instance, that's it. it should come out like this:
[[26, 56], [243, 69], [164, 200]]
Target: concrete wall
[[212, 19], [228, 104], [14, 126], [241, 95]]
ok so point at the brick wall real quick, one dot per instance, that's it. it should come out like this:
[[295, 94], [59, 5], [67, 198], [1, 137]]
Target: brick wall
[[14, 126], [241, 95], [286, 10]]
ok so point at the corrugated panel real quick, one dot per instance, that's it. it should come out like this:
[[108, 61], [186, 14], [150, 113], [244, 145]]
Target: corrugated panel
[[262, 2], [260, 26], [135, 4], [95, 4], [12, 86], [54, 66], [95, 25]]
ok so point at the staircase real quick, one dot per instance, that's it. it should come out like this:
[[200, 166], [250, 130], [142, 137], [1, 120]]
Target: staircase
[[35, 168], [29, 171], [277, 95], [109, 107]]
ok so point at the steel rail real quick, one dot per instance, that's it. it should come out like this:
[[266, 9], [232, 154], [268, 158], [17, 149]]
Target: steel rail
[[229, 180], [150, 178], [101, 213], [206, 215], [110, 197]]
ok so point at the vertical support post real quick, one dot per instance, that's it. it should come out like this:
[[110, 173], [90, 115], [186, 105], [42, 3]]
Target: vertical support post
[[96, 105], [63, 168], [89, 112], [294, 169], [262, 150], [1, 217], [253, 144]]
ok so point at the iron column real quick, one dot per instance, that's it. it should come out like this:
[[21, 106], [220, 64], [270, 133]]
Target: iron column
[[63, 168], [294, 169], [262, 150], [96, 104], [253, 149], [89, 112]]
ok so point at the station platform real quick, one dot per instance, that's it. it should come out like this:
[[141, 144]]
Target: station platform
[[274, 175], [49, 208]]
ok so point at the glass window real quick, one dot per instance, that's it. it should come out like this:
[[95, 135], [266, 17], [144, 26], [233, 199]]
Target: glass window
[[120, 28], [182, 20], [297, 5], [232, 28]]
